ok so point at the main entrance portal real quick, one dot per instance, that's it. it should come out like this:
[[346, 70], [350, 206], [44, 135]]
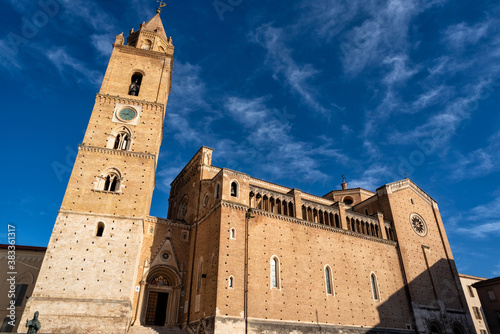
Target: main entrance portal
[[156, 310], [159, 297]]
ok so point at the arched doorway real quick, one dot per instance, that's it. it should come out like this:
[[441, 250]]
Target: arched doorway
[[160, 302], [434, 328], [457, 329]]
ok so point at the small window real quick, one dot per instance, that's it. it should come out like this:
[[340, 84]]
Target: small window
[[374, 283], [482, 331], [411, 199], [20, 294], [471, 290], [328, 280], [275, 268], [212, 263], [366, 212], [234, 189], [135, 84], [233, 233], [231, 282], [100, 229], [146, 45], [491, 295], [217, 191], [348, 200], [477, 313], [200, 274]]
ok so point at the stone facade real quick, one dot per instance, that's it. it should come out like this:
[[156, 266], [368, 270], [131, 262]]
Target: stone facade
[[235, 254]]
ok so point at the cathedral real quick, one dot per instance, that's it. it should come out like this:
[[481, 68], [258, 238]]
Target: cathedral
[[235, 254]]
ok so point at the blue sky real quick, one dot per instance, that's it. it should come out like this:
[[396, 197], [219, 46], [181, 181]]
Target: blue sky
[[297, 93]]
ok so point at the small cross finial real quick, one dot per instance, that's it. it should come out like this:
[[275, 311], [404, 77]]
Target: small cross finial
[[162, 4], [406, 176], [343, 178]]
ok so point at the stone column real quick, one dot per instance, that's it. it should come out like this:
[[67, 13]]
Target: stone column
[[381, 225], [140, 305], [343, 220], [297, 203]]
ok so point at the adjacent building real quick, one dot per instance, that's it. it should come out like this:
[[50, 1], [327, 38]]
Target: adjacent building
[[489, 294], [474, 303], [27, 263]]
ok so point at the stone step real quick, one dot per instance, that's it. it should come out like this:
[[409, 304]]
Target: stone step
[[155, 330]]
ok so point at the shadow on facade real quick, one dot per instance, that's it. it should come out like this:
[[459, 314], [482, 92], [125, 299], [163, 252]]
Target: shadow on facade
[[433, 302]]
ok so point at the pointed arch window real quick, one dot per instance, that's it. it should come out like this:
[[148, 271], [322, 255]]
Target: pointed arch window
[[231, 282], [275, 270], [233, 233], [375, 292], [328, 280], [120, 139], [111, 183], [122, 142], [183, 208], [110, 180]]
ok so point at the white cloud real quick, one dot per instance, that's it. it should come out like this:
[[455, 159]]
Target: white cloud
[[188, 89], [441, 126], [384, 32], [481, 221], [269, 141], [478, 163], [8, 57], [188, 112], [400, 70], [89, 13], [103, 43], [430, 97], [372, 178], [167, 175], [66, 64], [481, 230], [284, 66], [461, 35], [496, 271]]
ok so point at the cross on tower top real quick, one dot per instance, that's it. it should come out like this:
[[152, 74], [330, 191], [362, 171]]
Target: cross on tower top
[[162, 4]]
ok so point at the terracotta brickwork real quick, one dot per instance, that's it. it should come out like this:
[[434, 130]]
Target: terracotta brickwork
[[88, 279], [235, 254]]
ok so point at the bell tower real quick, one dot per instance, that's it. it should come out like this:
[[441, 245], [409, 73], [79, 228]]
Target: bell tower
[[86, 283]]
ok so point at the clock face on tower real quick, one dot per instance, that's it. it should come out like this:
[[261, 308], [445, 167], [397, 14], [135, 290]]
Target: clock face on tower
[[127, 114]]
